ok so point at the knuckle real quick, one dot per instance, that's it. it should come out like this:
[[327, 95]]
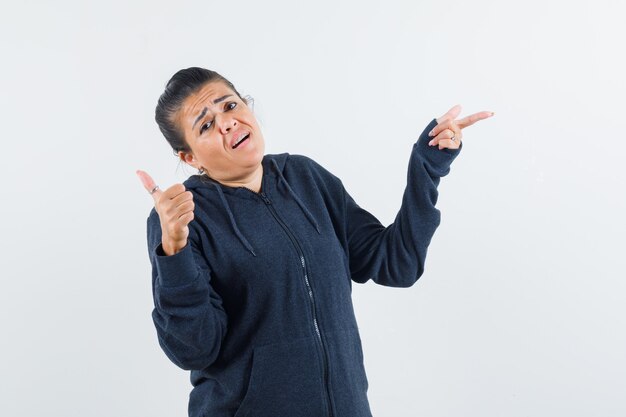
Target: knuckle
[[170, 214], [177, 189]]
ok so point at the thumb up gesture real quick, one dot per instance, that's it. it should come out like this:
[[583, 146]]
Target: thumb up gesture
[[175, 208]]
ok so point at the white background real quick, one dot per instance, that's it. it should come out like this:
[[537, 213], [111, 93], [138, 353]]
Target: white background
[[521, 310]]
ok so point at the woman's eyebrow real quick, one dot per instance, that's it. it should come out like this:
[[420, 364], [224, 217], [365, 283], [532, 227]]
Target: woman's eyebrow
[[203, 113]]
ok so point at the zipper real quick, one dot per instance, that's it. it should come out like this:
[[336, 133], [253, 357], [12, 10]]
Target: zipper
[[268, 204]]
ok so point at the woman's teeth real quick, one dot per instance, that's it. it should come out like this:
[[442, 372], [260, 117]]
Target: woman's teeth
[[241, 140]]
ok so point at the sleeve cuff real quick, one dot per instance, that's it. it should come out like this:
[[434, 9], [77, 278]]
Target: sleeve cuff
[[175, 270], [439, 157]]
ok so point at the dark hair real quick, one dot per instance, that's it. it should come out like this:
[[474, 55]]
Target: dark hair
[[183, 84]]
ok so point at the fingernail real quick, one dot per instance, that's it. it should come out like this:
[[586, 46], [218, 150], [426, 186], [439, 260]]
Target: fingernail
[[430, 133], [492, 113], [430, 143]]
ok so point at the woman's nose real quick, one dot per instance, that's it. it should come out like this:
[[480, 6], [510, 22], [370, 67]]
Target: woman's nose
[[225, 122]]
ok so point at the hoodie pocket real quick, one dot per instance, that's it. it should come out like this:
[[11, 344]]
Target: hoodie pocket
[[285, 380]]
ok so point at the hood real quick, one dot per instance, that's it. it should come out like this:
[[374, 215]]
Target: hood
[[273, 166]]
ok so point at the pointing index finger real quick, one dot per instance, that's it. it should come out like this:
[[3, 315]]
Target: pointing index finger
[[471, 119]]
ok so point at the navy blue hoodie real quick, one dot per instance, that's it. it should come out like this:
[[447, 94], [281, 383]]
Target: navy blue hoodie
[[258, 304]]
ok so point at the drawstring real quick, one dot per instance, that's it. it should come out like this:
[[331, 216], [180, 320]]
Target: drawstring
[[240, 235], [307, 213], [232, 220]]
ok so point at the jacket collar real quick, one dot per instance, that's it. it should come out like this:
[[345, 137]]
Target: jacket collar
[[271, 163]]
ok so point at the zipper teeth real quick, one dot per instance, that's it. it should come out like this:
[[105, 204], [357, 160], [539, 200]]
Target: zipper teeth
[[317, 329], [310, 291], [319, 335]]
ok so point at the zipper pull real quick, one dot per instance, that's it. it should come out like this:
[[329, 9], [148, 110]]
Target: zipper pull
[[266, 199]]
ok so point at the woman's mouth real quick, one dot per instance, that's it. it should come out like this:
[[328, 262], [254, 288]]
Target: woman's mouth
[[242, 140]]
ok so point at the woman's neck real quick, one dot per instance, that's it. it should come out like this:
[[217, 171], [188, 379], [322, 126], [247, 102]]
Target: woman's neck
[[252, 182]]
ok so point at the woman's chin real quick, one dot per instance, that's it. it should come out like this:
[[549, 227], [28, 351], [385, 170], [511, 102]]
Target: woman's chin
[[251, 156], [252, 145]]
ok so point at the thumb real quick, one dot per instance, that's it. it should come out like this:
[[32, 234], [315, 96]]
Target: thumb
[[149, 184]]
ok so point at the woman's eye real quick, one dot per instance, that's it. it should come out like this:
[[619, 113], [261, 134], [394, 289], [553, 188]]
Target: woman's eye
[[208, 124], [204, 127]]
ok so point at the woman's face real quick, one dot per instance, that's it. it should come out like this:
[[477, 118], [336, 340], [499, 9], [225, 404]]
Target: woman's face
[[212, 120]]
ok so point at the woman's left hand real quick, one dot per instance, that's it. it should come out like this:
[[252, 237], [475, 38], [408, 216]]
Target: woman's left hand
[[447, 133]]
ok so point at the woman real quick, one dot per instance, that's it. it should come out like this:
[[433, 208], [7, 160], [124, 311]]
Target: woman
[[253, 258]]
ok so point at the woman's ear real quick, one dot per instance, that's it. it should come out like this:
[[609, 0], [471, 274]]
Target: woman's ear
[[189, 159]]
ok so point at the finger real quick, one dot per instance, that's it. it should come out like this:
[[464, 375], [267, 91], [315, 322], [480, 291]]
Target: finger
[[176, 211], [182, 198], [186, 206], [470, 120], [449, 124], [450, 114], [176, 191], [177, 219], [445, 135], [186, 218], [148, 184], [449, 143]]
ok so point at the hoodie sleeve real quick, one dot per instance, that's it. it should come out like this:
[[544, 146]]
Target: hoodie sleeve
[[394, 256], [188, 314]]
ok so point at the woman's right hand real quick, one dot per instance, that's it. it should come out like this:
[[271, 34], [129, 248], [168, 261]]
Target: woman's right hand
[[175, 208]]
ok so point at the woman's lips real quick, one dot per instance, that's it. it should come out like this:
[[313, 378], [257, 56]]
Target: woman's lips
[[242, 143]]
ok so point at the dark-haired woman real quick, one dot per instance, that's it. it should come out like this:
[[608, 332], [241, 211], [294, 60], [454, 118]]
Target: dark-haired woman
[[254, 257]]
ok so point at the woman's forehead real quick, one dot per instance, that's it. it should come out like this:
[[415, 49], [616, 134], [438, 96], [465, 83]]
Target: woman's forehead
[[208, 95], [203, 101]]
